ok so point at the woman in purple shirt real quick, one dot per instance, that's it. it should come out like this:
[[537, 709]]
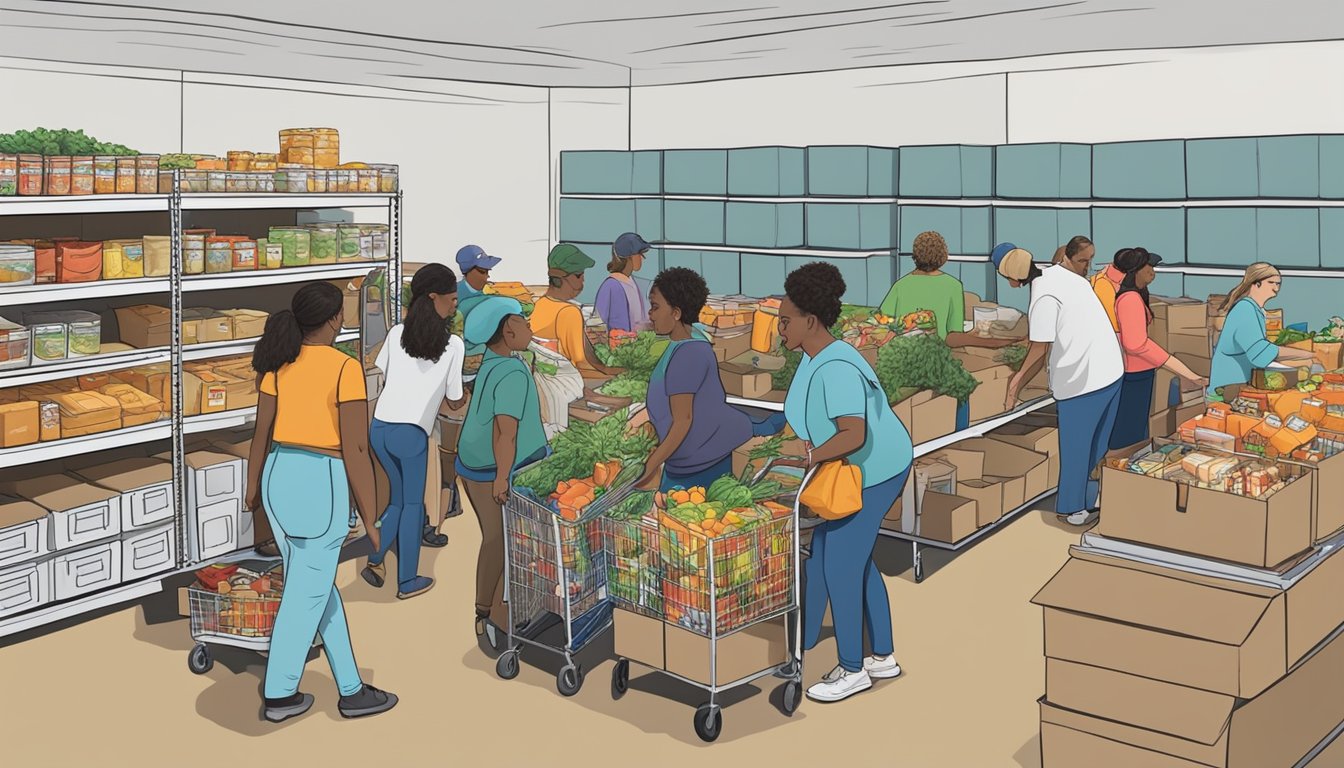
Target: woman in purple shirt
[[620, 302], [697, 429]]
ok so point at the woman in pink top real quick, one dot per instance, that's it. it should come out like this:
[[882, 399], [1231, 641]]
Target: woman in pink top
[[1143, 356]]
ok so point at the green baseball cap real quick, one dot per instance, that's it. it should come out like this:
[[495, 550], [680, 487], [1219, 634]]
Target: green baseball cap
[[569, 259]]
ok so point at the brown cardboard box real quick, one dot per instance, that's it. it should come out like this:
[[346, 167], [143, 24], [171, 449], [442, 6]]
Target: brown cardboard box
[[947, 518], [87, 413], [760, 646], [1330, 354], [203, 391], [20, 424], [154, 379], [1162, 424], [934, 416], [240, 385], [1163, 390], [1183, 343], [1010, 461], [905, 411], [1041, 439], [639, 638], [1188, 412], [988, 498], [970, 463], [184, 602], [1158, 331], [1223, 526], [1200, 364], [214, 326], [136, 407], [987, 399], [744, 381], [1181, 313], [1014, 491], [728, 346], [1122, 720], [247, 323], [145, 325], [1203, 632], [191, 331]]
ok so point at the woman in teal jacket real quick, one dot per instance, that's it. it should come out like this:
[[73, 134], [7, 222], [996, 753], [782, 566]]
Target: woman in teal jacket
[[836, 405], [1244, 344]]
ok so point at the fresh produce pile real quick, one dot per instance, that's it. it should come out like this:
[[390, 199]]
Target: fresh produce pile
[[919, 320], [633, 569], [922, 362], [576, 452], [638, 355], [59, 141], [572, 497], [1012, 356]]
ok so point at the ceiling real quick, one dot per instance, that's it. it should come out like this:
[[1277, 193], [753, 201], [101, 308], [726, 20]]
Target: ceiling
[[603, 43]]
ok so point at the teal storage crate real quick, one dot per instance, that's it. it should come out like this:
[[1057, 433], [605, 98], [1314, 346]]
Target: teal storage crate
[[765, 225], [877, 226], [1332, 167], [1073, 222], [1160, 230], [722, 271], [1035, 229], [596, 173], [945, 220], [676, 257], [1139, 170], [1332, 238], [833, 225], [1289, 237], [931, 171], [977, 228], [648, 219], [1290, 166], [763, 274], [647, 175], [977, 171], [766, 172], [978, 278], [837, 171], [1028, 171], [1223, 237], [789, 226], [695, 171], [883, 171], [1221, 168], [693, 222], [1075, 171], [595, 221]]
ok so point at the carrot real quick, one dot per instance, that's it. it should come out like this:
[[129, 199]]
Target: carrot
[[600, 477]]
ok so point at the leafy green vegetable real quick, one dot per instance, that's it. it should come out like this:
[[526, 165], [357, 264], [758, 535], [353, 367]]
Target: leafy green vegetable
[[1013, 356], [628, 384], [767, 451], [1291, 336], [576, 450], [639, 354], [922, 362], [60, 141], [176, 162], [546, 369], [632, 507]]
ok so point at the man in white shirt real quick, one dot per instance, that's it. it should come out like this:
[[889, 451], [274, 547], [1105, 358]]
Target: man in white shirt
[[1068, 323]]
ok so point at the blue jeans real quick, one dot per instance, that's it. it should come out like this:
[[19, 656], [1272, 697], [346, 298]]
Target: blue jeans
[[1085, 424], [704, 478], [307, 498], [403, 450], [842, 570]]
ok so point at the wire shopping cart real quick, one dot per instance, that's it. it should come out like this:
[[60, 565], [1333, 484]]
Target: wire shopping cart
[[717, 588], [235, 619], [555, 572]]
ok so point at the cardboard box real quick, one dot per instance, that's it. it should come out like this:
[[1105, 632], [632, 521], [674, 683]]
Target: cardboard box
[[20, 424], [988, 498], [211, 324], [80, 513], [760, 646], [1121, 720], [730, 345], [1166, 391], [24, 530], [1162, 424], [145, 325], [970, 463], [203, 391], [1223, 526], [639, 638], [946, 518], [87, 413], [247, 323], [1183, 343], [240, 384], [933, 416], [1181, 313], [1200, 364], [154, 379], [1014, 492], [987, 399], [1009, 461], [1203, 632], [1159, 332], [744, 381], [1040, 439], [145, 485]]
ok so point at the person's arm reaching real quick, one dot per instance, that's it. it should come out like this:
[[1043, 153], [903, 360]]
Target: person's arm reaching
[[680, 405], [1036, 355], [963, 339], [1043, 325]]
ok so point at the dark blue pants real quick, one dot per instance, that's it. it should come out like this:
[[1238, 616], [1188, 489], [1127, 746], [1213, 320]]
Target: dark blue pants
[[841, 570], [403, 450], [1085, 424]]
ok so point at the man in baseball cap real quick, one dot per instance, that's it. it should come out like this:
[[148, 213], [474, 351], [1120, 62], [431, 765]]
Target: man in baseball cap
[[1069, 326], [475, 265], [556, 319]]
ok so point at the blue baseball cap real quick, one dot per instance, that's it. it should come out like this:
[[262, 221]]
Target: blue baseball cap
[[1010, 261], [483, 321], [629, 244], [474, 256]]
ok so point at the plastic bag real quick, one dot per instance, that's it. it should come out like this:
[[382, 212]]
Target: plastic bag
[[555, 390]]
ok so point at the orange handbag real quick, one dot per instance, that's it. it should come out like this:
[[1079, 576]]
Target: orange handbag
[[835, 491]]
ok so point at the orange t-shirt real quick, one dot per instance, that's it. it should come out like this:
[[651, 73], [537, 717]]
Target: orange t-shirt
[[562, 323], [308, 395]]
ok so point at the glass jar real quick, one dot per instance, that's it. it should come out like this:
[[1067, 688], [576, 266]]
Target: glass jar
[[57, 171], [218, 255], [368, 180], [9, 175], [147, 175], [81, 175], [105, 175], [244, 255], [126, 175], [319, 180], [263, 182], [217, 181], [388, 178], [195, 181], [30, 175]]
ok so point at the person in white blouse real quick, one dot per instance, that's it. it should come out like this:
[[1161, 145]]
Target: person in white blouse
[[422, 363]]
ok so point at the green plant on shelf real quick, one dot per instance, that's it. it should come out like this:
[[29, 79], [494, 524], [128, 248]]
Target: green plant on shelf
[[58, 141], [922, 362]]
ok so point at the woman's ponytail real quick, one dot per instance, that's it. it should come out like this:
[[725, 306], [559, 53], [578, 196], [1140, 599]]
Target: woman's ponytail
[[313, 306], [424, 334]]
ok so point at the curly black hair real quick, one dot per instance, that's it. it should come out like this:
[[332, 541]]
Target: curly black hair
[[424, 334], [683, 289], [816, 289]]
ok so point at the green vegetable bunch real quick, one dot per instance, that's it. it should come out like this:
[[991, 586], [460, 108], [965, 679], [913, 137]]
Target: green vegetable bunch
[[639, 355], [176, 162], [922, 362], [576, 450], [1013, 356], [60, 141], [632, 507], [1291, 336], [628, 384], [766, 452]]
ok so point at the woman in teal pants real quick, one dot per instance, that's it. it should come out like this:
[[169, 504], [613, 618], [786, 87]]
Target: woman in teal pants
[[310, 451], [837, 406]]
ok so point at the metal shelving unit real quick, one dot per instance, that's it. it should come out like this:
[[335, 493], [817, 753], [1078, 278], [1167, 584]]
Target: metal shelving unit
[[174, 286]]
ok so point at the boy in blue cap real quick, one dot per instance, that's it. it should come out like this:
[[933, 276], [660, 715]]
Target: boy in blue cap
[[475, 265], [1069, 325], [502, 431]]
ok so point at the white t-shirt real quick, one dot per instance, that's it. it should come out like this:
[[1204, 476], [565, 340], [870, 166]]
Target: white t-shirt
[[1066, 313], [414, 387]]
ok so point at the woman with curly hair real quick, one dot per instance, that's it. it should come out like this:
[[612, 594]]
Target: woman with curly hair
[[423, 366], [697, 429], [836, 405], [929, 288]]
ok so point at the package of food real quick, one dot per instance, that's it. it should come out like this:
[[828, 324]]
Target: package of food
[[154, 379], [81, 175], [1259, 438], [247, 323], [355, 245], [56, 172], [126, 175], [78, 261], [158, 250], [136, 407], [49, 416], [295, 243], [324, 243], [30, 170], [92, 382], [218, 255], [15, 345], [272, 255], [1296, 433], [50, 341], [132, 258], [244, 255], [9, 175], [87, 413], [19, 424], [388, 177], [105, 174], [147, 174], [18, 264], [68, 333]]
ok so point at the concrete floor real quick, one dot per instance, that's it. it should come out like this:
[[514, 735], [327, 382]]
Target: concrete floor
[[968, 638]]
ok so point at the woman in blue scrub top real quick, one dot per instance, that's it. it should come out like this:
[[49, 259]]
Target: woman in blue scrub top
[[1244, 344], [836, 405]]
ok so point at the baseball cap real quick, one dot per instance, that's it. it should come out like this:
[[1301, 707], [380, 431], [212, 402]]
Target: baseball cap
[[1012, 262], [569, 259], [1134, 259], [473, 256], [484, 319], [629, 244]]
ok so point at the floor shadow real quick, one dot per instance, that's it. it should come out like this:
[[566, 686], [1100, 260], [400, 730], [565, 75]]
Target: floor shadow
[[1029, 756]]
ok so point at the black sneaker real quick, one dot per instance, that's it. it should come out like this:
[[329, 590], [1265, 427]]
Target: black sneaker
[[432, 538], [368, 701], [280, 710]]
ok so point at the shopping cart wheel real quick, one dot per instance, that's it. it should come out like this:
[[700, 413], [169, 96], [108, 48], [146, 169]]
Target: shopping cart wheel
[[569, 680], [199, 660], [507, 665], [792, 696], [620, 678], [708, 721]]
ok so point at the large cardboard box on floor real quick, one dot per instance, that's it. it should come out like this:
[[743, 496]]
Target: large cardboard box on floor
[[1041, 439], [1092, 716], [1213, 634], [1261, 532], [947, 518], [1008, 462]]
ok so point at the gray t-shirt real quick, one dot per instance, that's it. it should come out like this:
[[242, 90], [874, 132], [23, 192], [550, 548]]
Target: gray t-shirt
[[717, 428]]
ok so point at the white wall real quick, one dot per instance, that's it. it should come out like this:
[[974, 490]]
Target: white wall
[[584, 118]]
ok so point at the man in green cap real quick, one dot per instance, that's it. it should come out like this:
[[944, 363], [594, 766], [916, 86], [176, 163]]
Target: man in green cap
[[557, 321]]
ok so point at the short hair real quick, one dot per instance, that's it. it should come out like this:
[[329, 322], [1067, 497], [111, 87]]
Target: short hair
[[816, 289], [1076, 245], [685, 290], [930, 251]]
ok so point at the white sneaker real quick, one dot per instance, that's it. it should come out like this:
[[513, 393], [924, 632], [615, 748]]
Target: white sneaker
[[1083, 518], [840, 685], [879, 668]]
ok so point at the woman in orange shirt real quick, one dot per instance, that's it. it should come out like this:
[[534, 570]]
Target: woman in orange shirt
[[310, 450]]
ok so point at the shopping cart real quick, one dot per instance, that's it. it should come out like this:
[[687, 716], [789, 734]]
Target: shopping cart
[[230, 619], [717, 588], [555, 573]]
